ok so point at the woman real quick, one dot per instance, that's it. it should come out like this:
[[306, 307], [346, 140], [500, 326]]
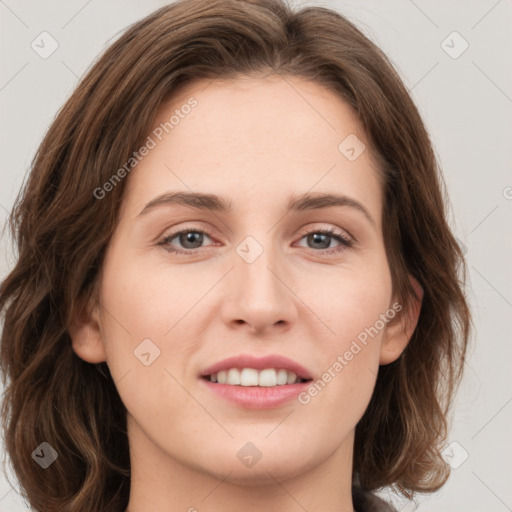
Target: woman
[[173, 338]]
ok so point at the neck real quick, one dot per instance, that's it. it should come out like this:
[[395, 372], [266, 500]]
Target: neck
[[161, 483]]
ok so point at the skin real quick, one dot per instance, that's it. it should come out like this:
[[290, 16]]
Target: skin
[[255, 141]]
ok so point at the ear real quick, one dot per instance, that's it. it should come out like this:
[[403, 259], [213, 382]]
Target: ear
[[85, 333], [399, 331]]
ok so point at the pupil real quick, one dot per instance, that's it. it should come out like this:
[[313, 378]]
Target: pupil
[[193, 237], [317, 237], [189, 237]]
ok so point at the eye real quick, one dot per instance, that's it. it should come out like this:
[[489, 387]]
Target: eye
[[322, 238], [189, 239]]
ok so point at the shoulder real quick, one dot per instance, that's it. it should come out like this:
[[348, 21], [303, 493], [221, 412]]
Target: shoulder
[[365, 501]]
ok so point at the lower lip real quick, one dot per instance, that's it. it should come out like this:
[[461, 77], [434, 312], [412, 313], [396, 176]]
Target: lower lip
[[256, 397]]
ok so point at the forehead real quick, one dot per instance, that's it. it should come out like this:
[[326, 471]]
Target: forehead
[[252, 138]]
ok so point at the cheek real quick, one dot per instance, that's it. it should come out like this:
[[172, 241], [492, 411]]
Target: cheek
[[146, 340], [349, 300], [356, 311], [150, 301], [145, 310]]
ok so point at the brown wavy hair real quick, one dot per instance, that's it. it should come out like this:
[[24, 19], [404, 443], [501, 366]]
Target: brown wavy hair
[[61, 231]]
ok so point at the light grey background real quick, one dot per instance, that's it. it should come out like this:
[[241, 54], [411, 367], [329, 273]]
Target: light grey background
[[467, 105]]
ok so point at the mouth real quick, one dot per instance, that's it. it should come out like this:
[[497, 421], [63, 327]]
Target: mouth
[[256, 383], [268, 377]]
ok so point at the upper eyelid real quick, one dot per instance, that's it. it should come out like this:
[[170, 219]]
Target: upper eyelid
[[206, 230], [335, 231], [343, 233], [197, 228]]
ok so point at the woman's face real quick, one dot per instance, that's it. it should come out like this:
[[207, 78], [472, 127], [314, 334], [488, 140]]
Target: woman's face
[[253, 293]]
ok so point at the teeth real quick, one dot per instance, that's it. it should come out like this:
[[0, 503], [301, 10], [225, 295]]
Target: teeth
[[233, 377], [282, 377], [248, 377], [269, 377]]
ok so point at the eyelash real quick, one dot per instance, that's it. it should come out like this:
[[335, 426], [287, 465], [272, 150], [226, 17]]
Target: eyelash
[[345, 242]]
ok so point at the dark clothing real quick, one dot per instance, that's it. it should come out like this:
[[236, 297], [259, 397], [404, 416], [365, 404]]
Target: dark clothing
[[367, 502]]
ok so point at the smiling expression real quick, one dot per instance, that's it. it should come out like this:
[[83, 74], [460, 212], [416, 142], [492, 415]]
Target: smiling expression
[[247, 241]]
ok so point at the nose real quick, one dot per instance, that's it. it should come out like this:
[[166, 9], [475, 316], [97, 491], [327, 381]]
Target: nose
[[258, 297]]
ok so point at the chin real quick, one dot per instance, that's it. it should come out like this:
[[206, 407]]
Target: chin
[[264, 473], [275, 463]]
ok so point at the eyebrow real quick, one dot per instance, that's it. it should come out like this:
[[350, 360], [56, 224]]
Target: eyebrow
[[307, 201]]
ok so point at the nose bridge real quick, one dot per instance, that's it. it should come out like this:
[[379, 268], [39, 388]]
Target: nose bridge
[[255, 261], [259, 296]]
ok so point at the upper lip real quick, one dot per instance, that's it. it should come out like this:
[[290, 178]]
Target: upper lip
[[258, 363]]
